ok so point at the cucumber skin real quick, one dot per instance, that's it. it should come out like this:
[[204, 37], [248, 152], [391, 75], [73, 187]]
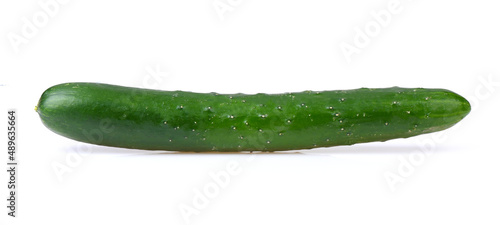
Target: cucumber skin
[[146, 119]]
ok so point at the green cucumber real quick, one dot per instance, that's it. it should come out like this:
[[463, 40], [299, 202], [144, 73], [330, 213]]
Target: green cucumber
[[137, 118]]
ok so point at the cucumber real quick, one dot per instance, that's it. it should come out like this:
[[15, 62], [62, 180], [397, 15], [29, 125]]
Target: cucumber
[[146, 119]]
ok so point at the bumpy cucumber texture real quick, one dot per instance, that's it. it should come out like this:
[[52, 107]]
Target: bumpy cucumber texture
[[136, 118]]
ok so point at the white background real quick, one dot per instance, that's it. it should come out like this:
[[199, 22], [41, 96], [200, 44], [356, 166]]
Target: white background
[[249, 47]]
